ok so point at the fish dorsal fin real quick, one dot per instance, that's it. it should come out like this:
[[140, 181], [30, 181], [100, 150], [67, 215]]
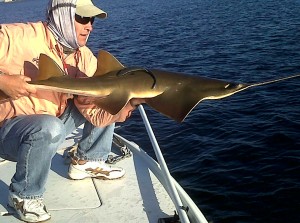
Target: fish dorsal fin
[[48, 68], [107, 63]]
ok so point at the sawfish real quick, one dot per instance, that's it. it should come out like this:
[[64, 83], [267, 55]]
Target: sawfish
[[113, 85]]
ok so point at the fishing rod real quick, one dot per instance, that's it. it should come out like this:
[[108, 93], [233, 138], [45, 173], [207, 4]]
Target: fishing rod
[[181, 210]]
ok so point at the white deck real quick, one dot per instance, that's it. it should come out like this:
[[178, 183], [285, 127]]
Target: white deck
[[138, 197]]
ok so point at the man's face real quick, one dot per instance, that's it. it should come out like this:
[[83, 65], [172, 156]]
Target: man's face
[[83, 28]]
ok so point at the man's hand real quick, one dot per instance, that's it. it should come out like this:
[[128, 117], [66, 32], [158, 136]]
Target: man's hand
[[125, 113], [16, 86]]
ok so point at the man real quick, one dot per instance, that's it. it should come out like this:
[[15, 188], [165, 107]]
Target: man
[[34, 123]]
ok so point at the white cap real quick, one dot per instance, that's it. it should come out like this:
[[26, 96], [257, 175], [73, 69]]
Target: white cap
[[86, 8]]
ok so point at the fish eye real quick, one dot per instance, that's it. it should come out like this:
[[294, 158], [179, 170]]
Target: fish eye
[[231, 86]]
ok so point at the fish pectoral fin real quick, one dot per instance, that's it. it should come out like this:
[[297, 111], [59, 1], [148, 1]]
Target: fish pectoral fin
[[175, 104], [113, 103], [107, 63]]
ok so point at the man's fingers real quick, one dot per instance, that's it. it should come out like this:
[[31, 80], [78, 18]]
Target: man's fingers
[[25, 78], [31, 89]]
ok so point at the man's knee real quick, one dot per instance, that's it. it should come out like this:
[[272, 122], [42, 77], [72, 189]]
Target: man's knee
[[50, 129]]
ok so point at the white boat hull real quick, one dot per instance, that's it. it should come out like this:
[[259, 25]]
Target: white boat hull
[[138, 197]]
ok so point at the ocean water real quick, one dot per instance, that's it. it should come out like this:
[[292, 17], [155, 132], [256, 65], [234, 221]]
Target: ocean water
[[239, 157]]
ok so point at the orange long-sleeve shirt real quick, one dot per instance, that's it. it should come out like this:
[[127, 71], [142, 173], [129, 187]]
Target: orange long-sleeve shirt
[[20, 47]]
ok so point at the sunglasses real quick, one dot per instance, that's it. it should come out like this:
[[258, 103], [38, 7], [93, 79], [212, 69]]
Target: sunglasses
[[84, 20]]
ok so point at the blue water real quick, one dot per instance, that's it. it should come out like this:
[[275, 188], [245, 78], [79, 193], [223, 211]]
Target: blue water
[[239, 157]]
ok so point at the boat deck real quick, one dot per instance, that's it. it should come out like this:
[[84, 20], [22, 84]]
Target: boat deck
[[137, 197]]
